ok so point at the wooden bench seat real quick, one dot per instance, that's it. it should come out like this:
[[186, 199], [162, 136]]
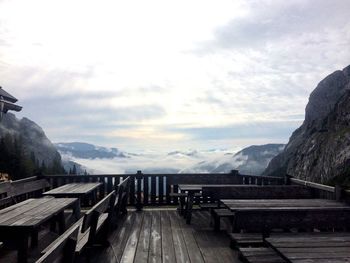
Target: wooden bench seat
[[93, 226], [257, 192], [93, 222], [260, 255], [62, 249], [83, 237], [246, 240], [178, 195], [182, 200], [209, 206], [217, 214]]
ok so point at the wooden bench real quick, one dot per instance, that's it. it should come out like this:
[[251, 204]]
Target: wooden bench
[[246, 240], [264, 220], [217, 214], [94, 226], [5, 194], [248, 192], [121, 201], [19, 190], [312, 247], [182, 200], [260, 255], [62, 249], [257, 192]]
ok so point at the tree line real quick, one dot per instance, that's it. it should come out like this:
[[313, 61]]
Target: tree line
[[18, 163]]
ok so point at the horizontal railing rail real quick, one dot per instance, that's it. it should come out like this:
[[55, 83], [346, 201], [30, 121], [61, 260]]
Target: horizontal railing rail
[[155, 189], [324, 191]]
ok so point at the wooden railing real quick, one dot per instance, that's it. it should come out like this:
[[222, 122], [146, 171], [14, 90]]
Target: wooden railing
[[324, 191], [155, 189]]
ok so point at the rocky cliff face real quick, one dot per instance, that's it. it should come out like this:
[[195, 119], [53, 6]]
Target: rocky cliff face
[[319, 150], [33, 138]]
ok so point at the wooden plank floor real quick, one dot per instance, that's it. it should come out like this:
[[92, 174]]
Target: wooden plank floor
[[163, 236]]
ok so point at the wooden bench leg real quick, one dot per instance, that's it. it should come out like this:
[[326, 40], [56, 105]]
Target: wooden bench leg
[[23, 249], [189, 208], [61, 222], [53, 225], [34, 238], [216, 222], [76, 210], [181, 205]]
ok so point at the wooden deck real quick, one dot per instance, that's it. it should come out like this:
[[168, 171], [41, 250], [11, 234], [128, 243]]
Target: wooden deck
[[163, 236]]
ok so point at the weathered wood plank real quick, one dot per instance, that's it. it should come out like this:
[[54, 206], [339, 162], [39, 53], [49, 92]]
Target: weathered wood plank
[[155, 252], [131, 245], [312, 246], [179, 243], [144, 240], [119, 239], [322, 260], [168, 252], [190, 241]]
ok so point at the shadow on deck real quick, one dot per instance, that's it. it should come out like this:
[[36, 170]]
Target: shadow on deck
[[156, 235]]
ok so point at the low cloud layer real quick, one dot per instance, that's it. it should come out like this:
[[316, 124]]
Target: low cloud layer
[[170, 76]]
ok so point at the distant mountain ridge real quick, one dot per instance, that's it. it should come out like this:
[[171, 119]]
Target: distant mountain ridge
[[33, 136], [319, 150], [88, 151], [251, 160], [25, 150]]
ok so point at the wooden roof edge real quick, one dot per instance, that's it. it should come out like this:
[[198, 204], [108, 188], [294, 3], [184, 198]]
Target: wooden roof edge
[[7, 96]]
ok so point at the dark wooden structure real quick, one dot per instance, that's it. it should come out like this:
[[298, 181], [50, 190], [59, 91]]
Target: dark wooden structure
[[62, 249], [156, 189], [21, 221], [7, 103], [159, 233], [86, 192], [311, 247], [16, 191]]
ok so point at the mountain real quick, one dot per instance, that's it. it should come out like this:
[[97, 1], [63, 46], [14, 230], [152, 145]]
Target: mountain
[[189, 153], [251, 160], [319, 150], [88, 151], [69, 166], [32, 141]]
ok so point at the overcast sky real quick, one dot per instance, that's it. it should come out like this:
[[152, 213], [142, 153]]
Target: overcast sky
[[165, 75]]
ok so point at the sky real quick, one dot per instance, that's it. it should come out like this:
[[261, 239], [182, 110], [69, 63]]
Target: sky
[[161, 75]]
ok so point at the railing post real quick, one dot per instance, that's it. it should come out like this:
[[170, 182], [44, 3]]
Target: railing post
[[139, 177], [234, 172], [338, 191], [238, 179], [132, 190], [287, 179]]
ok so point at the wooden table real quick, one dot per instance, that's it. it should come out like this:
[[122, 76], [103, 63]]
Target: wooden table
[[77, 190], [263, 215], [22, 220], [312, 247], [191, 190]]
